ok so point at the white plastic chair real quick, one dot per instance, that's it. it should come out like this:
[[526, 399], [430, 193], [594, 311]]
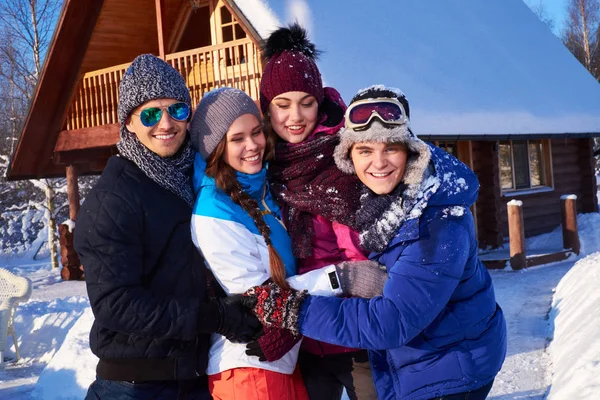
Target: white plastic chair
[[14, 289]]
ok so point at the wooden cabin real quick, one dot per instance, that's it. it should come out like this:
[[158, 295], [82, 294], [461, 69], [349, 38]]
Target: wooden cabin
[[72, 125], [536, 171], [73, 118], [486, 81]]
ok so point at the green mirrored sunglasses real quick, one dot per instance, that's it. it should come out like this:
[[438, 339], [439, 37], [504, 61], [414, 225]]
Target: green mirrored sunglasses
[[151, 115]]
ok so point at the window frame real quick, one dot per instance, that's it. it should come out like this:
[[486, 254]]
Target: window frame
[[547, 168]]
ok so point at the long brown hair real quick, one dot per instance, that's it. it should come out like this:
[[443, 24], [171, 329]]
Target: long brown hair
[[225, 179]]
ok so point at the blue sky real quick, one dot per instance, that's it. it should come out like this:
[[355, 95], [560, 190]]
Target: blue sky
[[556, 9]]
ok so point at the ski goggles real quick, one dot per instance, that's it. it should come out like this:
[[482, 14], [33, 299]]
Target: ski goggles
[[389, 111], [178, 111]]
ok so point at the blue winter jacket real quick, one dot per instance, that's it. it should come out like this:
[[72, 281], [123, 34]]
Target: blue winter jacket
[[437, 329]]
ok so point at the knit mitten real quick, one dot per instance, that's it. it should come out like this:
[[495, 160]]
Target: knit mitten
[[361, 278], [274, 344], [277, 307]]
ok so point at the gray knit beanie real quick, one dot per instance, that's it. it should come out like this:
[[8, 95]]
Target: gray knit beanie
[[215, 113], [149, 78]]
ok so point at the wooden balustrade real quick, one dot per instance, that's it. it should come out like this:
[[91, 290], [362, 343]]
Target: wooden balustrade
[[235, 64]]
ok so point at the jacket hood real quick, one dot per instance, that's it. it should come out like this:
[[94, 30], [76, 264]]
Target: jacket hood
[[459, 185]]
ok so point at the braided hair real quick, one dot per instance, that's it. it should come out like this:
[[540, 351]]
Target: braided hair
[[225, 179]]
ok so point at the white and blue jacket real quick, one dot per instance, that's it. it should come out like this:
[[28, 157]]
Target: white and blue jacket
[[237, 255]]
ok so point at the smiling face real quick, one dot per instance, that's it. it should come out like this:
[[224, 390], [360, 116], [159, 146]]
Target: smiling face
[[379, 166], [245, 146], [166, 137], [294, 115]]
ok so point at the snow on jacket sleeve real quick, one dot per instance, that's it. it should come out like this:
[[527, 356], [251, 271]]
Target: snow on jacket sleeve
[[420, 284], [110, 242], [232, 253]]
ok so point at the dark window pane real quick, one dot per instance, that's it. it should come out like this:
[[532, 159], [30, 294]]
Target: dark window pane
[[225, 15], [227, 33], [536, 163], [521, 164], [239, 32], [506, 175], [241, 54], [450, 147], [197, 31]]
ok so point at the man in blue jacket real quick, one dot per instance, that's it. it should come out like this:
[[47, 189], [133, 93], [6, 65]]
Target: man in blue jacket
[[436, 332], [145, 279]]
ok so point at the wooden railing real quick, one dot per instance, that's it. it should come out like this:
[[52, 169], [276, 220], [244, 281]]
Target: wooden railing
[[234, 64]]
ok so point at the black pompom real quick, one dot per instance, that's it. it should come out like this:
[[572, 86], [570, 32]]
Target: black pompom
[[290, 38]]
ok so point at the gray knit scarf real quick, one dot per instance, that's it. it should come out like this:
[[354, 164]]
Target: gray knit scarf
[[381, 216], [172, 173]]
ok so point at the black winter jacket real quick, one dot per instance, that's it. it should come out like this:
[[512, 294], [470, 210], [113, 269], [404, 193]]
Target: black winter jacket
[[144, 276]]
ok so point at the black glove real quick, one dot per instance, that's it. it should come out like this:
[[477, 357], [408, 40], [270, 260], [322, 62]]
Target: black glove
[[231, 317]]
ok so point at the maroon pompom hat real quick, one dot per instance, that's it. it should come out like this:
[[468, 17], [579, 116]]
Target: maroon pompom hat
[[290, 66]]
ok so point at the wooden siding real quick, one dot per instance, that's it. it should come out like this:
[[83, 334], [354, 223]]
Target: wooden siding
[[126, 29], [573, 174], [488, 206]]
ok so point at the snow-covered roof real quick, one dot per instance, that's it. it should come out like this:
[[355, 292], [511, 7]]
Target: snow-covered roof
[[260, 15], [469, 68]]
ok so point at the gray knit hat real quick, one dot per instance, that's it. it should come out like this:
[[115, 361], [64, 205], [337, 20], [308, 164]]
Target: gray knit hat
[[215, 113], [149, 78], [381, 133]]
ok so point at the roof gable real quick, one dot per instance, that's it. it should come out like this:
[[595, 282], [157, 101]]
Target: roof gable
[[92, 35]]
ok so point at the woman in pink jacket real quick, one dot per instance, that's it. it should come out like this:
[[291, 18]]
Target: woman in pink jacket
[[319, 201]]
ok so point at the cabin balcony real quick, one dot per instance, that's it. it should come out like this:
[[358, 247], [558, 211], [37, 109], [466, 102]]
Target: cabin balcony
[[235, 63]]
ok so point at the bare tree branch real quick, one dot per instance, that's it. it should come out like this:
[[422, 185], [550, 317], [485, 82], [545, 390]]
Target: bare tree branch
[[581, 33]]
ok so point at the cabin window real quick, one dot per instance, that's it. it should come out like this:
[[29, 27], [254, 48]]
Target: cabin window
[[230, 27], [231, 30], [524, 164], [450, 147]]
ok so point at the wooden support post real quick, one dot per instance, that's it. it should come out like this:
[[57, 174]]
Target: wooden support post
[[72, 268], [159, 4], [516, 233], [570, 231], [72, 191]]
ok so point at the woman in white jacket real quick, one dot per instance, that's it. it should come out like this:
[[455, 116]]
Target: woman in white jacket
[[237, 226]]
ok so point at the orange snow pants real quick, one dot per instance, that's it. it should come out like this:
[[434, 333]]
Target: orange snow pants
[[256, 384]]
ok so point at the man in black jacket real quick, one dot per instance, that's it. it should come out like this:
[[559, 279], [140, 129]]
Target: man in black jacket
[[145, 279]]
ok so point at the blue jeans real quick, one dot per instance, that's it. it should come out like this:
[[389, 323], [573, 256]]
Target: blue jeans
[[477, 394], [102, 389]]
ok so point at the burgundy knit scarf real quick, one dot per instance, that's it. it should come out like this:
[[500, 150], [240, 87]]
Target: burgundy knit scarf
[[305, 178]]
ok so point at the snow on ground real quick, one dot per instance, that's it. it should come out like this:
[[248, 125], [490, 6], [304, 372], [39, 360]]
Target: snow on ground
[[57, 364], [41, 325]]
